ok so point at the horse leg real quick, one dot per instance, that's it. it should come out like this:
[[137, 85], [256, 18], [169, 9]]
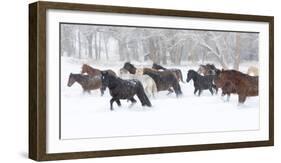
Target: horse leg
[[177, 89], [170, 91], [102, 91], [211, 90], [216, 88], [228, 97], [111, 103], [200, 91], [118, 102], [133, 101], [195, 90], [241, 98]]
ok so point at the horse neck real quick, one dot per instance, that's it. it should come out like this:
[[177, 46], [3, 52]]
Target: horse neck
[[92, 70], [80, 79], [133, 70], [195, 76], [163, 68], [113, 81]]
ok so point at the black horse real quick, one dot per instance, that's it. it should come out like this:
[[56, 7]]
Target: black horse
[[124, 89], [176, 71], [201, 82], [87, 82], [165, 80]]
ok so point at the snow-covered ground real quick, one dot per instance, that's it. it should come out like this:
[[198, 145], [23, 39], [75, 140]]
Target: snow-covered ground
[[89, 116]]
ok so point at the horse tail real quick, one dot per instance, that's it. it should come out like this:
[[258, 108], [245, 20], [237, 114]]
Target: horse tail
[[181, 76], [177, 88], [154, 87], [142, 96]]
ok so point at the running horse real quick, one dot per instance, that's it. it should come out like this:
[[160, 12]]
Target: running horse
[[232, 81]]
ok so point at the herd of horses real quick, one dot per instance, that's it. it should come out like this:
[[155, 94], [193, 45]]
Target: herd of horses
[[146, 82]]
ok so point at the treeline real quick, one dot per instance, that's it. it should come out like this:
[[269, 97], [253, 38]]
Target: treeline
[[162, 46]]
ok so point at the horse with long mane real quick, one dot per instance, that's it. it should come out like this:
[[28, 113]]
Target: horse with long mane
[[165, 80], [93, 71], [176, 71], [201, 82], [87, 82], [148, 83], [208, 69], [124, 89], [242, 84]]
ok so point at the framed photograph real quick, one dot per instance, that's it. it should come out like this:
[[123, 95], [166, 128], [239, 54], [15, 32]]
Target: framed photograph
[[113, 81]]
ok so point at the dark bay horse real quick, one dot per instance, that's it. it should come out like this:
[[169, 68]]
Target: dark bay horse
[[176, 71], [93, 71], [232, 81], [165, 80], [87, 82], [201, 82], [124, 89]]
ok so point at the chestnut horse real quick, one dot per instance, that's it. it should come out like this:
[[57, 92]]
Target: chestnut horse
[[232, 81], [93, 71]]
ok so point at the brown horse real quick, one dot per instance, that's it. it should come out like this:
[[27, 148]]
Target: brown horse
[[176, 71], [93, 71], [87, 82], [232, 81]]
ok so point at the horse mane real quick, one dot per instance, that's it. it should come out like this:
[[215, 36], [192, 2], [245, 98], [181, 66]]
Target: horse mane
[[158, 66], [130, 67], [88, 66], [194, 72], [235, 73]]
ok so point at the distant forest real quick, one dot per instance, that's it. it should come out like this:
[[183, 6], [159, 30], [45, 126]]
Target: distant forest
[[163, 46]]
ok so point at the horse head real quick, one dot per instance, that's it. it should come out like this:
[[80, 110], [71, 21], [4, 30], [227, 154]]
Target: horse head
[[191, 75], [105, 78], [84, 68], [158, 67], [71, 80], [131, 68]]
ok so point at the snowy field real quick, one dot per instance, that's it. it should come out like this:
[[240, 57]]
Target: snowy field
[[89, 115]]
